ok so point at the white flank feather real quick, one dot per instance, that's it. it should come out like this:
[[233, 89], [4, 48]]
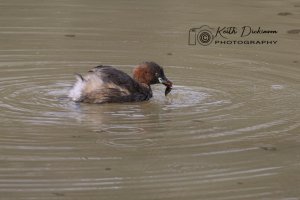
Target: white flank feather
[[76, 92]]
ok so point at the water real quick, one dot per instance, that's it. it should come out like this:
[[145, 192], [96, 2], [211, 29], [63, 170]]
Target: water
[[228, 130]]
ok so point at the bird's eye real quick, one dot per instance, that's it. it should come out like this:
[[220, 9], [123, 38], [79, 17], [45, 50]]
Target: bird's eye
[[156, 74], [160, 79]]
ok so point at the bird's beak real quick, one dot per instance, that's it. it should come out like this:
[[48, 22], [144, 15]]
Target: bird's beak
[[167, 83]]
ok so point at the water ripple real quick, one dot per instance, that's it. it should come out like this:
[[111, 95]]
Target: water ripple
[[227, 124]]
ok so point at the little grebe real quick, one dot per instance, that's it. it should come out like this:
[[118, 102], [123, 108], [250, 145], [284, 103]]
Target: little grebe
[[105, 84]]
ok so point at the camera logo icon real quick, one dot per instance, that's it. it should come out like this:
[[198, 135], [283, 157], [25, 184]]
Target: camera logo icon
[[202, 35]]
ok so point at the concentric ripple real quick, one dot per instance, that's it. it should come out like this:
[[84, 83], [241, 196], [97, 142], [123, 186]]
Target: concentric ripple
[[228, 130], [203, 118]]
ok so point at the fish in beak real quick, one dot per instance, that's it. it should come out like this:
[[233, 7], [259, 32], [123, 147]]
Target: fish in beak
[[167, 83]]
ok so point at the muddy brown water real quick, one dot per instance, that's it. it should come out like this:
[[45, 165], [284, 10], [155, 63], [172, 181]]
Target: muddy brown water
[[228, 130]]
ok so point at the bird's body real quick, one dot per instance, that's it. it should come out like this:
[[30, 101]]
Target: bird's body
[[106, 84]]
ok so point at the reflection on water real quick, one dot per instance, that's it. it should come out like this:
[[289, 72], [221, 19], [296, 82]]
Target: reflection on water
[[228, 129]]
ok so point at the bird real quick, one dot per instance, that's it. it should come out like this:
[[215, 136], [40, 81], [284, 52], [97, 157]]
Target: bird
[[106, 84]]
